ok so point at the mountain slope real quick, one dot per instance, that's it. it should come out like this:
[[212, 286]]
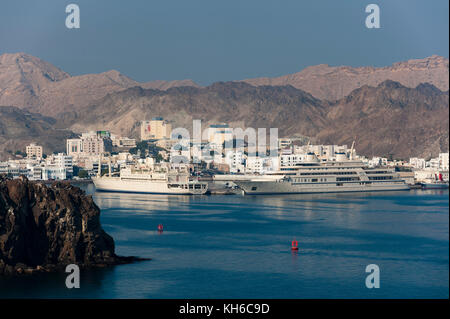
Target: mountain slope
[[333, 83], [22, 77], [387, 119], [19, 128], [30, 83], [239, 104], [391, 119]]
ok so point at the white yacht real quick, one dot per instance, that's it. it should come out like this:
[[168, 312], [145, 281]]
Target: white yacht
[[314, 176], [151, 180]]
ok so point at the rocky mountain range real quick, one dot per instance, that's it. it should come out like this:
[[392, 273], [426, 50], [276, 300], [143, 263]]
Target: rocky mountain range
[[406, 117], [237, 103], [389, 119], [30, 83], [335, 82]]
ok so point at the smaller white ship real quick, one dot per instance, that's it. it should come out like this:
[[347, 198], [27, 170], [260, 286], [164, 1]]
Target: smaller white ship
[[436, 183], [154, 179]]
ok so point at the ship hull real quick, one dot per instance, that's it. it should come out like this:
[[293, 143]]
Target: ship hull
[[281, 187], [434, 185], [114, 184]]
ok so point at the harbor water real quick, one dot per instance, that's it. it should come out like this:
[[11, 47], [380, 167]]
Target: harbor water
[[240, 247]]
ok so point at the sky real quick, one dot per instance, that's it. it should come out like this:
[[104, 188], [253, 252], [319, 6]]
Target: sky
[[210, 40]]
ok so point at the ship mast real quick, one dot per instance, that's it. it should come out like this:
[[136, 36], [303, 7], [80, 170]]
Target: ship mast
[[352, 150], [99, 170]]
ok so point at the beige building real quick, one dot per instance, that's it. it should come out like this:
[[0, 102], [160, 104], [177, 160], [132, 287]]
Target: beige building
[[74, 146], [34, 150], [157, 129], [219, 133], [88, 145], [166, 143]]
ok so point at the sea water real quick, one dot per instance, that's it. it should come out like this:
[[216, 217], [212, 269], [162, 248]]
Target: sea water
[[238, 246]]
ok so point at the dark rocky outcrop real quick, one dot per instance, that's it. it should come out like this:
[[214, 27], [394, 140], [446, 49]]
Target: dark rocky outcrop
[[46, 228]]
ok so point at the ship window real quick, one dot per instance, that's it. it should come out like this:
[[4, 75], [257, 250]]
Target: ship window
[[254, 188], [314, 180], [339, 184], [198, 186]]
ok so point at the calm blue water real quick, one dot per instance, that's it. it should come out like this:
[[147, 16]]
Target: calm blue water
[[239, 247]]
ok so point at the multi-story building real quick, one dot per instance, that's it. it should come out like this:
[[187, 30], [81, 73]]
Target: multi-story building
[[34, 150], [74, 146], [219, 133], [284, 143], [254, 164], [433, 164], [157, 129], [66, 162], [443, 161], [235, 161], [92, 143], [417, 163], [261, 164], [53, 172], [124, 142]]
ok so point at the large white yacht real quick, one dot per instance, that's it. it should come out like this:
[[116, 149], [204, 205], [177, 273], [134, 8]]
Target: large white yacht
[[154, 180], [314, 176]]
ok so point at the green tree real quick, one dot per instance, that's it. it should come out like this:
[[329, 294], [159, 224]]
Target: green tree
[[83, 173]]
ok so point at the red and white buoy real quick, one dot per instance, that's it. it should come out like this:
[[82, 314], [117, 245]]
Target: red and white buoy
[[160, 228]]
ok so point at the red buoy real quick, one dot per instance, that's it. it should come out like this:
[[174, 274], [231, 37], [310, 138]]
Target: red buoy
[[294, 245], [160, 228]]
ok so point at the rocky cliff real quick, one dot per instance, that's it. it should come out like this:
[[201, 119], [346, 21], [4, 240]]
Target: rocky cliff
[[46, 228]]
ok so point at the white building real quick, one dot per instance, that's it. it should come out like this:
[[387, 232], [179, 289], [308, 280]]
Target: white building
[[235, 161], [254, 164], [433, 164], [443, 161], [53, 172], [417, 163], [284, 143], [261, 165], [64, 161]]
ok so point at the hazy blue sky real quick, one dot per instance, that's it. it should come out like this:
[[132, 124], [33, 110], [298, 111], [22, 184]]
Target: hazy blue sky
[[209, 40]]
